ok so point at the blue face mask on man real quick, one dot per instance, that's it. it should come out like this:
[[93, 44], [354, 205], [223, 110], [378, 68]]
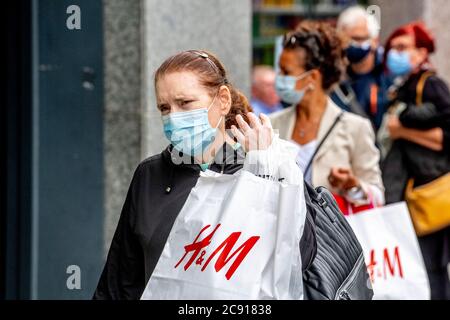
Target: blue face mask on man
[[358, 52], [190, 131], [399, 63], [285, 87]]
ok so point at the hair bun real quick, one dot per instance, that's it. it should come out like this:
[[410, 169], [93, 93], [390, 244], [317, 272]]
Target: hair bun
[[239, 106]]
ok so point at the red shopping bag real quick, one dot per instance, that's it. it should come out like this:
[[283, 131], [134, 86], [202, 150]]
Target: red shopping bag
[[348, 208]]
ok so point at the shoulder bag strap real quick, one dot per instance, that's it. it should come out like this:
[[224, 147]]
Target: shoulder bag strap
[[338, 118], [420, 87]]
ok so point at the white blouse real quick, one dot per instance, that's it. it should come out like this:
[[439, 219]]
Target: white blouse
[[304, 155]]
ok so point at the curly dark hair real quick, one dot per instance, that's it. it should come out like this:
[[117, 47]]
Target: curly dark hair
[[212, 75], [324, 50]]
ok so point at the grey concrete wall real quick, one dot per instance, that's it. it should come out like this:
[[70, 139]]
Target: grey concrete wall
[[122, 110], [436, 15], [170, 26], [397, 12]]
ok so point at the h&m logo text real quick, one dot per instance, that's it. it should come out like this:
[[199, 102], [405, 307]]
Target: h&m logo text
[[202, 259]]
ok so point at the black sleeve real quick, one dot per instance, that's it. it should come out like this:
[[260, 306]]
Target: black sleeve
[[308, 244], [123, 277], [308, 241], [423, 117], [447, 140], [437, 92]]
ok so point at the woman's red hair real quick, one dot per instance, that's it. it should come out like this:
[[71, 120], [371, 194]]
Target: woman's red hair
[[423, 37]]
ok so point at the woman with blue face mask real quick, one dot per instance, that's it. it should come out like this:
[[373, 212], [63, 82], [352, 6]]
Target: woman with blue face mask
[[419, 157], [197, 105], [335, 149]]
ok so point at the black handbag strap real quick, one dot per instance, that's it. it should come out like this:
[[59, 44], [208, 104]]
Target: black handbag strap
[[336, 121]]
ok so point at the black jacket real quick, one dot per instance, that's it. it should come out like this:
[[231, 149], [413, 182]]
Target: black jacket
[[157, 193]]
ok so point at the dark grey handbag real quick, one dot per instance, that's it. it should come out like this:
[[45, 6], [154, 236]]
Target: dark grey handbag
[[338, 271]]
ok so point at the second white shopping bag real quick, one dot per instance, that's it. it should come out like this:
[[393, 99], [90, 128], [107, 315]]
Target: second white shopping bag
[[392, 253], [237, 237]]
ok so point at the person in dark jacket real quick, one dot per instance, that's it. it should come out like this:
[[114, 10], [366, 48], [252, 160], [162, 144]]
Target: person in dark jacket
[[196, 102], [420, 150], [364, 90]]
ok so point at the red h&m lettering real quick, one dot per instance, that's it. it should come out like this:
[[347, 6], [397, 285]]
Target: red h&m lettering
[[197, 247], [391, 266], [388, 266], [371, 266]]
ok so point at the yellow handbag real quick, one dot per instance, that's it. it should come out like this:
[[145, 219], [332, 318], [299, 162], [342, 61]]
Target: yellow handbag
[[429, 205]]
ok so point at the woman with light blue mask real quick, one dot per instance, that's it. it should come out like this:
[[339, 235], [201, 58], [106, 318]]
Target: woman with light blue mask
[[197, 104], [419, 157], [196, 109], [335, 149]]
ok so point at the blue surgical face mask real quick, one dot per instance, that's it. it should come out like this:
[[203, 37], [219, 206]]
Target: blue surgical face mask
[[190, 131], [358, 52], [399, 63], [285, 87]]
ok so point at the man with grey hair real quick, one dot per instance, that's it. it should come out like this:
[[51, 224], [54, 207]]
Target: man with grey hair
[[364, 90]]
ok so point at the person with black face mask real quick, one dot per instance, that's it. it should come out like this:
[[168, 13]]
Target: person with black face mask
[[365, 87]]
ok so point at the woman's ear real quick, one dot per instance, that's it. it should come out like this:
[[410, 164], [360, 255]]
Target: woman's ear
[[423, 55], [316, 78], [225, 100]]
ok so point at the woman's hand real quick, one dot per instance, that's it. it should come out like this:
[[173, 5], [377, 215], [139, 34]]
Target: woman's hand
[[255, 135], [395, 127], [342, 179]]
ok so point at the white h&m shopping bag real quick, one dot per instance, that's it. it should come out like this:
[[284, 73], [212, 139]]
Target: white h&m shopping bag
[[237, 237], [392, 253]]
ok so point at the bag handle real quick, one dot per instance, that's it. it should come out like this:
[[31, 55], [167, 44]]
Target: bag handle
[[336, 121], [421, 86]]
